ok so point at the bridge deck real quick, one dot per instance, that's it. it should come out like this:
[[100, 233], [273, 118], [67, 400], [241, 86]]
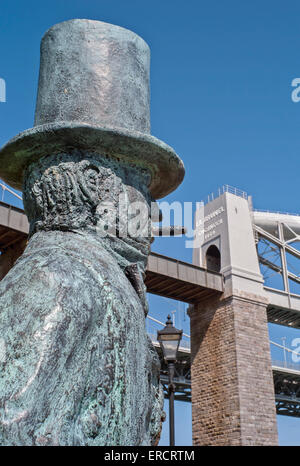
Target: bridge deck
[[180, 280], [284, 308], [13, 225]]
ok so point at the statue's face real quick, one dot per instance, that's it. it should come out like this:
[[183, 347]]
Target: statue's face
[[75, 191]]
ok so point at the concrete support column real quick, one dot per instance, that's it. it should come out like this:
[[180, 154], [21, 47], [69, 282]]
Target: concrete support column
[[232, 383]]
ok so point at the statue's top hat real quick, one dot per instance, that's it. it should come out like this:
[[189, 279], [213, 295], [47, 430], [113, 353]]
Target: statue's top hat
[[94, 96]]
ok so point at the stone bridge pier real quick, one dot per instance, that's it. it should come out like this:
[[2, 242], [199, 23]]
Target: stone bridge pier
[[233, 399]]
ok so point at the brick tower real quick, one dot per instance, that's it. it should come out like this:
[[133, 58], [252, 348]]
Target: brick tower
[[232, 385]]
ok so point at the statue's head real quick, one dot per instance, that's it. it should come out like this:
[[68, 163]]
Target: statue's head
[[83, 191]]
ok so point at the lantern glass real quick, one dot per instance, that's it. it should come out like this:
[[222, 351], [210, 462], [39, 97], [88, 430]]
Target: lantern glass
[[169, 348], [169, 339]]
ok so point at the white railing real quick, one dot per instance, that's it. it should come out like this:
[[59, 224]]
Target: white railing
[[226, 189], [276, 212], [236, 191], [286, 365], [5, 189]]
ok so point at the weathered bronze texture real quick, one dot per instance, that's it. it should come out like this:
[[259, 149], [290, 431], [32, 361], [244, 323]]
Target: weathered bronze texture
[[93, 95], [79, 368]]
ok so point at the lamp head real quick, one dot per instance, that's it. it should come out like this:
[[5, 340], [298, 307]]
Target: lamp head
[[169, 339]]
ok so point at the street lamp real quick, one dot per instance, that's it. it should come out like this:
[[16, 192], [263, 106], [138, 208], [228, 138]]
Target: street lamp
[[169, 339]]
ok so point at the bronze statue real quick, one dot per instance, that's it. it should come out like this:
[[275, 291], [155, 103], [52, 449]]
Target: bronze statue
[[79, 366]]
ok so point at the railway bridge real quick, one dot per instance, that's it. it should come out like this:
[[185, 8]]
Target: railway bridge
[[242, 277]]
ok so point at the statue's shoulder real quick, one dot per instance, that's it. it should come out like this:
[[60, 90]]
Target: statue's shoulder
[[67, 259]]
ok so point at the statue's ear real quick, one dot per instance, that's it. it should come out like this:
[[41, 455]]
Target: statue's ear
[[91, 174], [89, 178], [32, 192]]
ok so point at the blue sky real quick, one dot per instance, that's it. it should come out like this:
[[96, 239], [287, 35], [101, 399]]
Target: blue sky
[[221, 76]]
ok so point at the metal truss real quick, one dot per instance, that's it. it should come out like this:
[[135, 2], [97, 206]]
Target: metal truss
[[287, 393], [274, 250], [273, 254], [182, 377], [286, 382], [288, 408], [286, 385]]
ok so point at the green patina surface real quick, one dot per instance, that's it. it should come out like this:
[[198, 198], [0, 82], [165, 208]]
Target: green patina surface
[[79, 368]]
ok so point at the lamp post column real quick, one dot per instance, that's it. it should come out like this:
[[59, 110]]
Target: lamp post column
[[169, 339], [171, 368]]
